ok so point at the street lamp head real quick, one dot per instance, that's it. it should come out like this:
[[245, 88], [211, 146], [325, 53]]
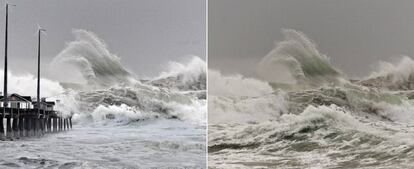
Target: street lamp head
[[9, 4], [39, 28]]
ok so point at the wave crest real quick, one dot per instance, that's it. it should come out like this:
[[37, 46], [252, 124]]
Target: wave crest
[[190, 75], [89, 54], [393, 76], [296, 60]]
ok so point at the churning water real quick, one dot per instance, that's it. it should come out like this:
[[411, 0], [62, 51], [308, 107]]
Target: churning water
[[304, 113], [156, 143]]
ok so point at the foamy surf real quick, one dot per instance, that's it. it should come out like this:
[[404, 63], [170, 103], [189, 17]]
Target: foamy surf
[[156, 143], [310, 115]]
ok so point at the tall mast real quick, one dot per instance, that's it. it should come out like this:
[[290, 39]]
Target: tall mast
[[39, 32]]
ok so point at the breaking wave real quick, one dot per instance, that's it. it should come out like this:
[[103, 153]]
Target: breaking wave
[[124, 105], [89, 54], [296, 60], [190, 75], [392, 76], [234, 98]]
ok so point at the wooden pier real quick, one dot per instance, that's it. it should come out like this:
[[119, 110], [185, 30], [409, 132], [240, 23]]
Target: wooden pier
[[22, 118]]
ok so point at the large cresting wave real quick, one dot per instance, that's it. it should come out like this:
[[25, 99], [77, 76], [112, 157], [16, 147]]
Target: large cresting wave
[[296, 60], [89, 55]]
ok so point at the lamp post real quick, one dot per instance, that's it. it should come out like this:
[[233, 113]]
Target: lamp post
[[39, 31], [5, 71]]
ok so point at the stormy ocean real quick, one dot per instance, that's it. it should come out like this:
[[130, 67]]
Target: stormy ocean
[[120, 121], [304, 113]]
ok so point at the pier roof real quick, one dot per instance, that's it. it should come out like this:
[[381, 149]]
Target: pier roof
[[17, 97]]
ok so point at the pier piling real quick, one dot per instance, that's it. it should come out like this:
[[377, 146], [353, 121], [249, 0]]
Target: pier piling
[[1, 129], [40, 120], [15, 127], [27, 126], [49, 125], [21, 126], [34, 126], [54, 124], [60, 124], [8, 128], [65, 123]]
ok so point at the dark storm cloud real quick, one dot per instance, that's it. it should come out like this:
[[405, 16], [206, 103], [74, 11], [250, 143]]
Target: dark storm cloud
[[354, 33], [146, 34]]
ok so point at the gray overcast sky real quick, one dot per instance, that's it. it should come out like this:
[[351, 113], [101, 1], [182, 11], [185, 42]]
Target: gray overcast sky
[[354, 33], [146, 34]]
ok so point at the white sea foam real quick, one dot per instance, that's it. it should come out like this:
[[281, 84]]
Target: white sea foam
[[400, 71], [189, 74], [398, 75], [235, 98], [236, 85], [326, 135], [149, 144]]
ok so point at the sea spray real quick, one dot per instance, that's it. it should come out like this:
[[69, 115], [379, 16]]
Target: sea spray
[[89, 54], [398, 75], [190, 74], [25, 84], [114, 94], [399, 71], [135, 103], [236, 85], [234, 98], [296, 60]]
